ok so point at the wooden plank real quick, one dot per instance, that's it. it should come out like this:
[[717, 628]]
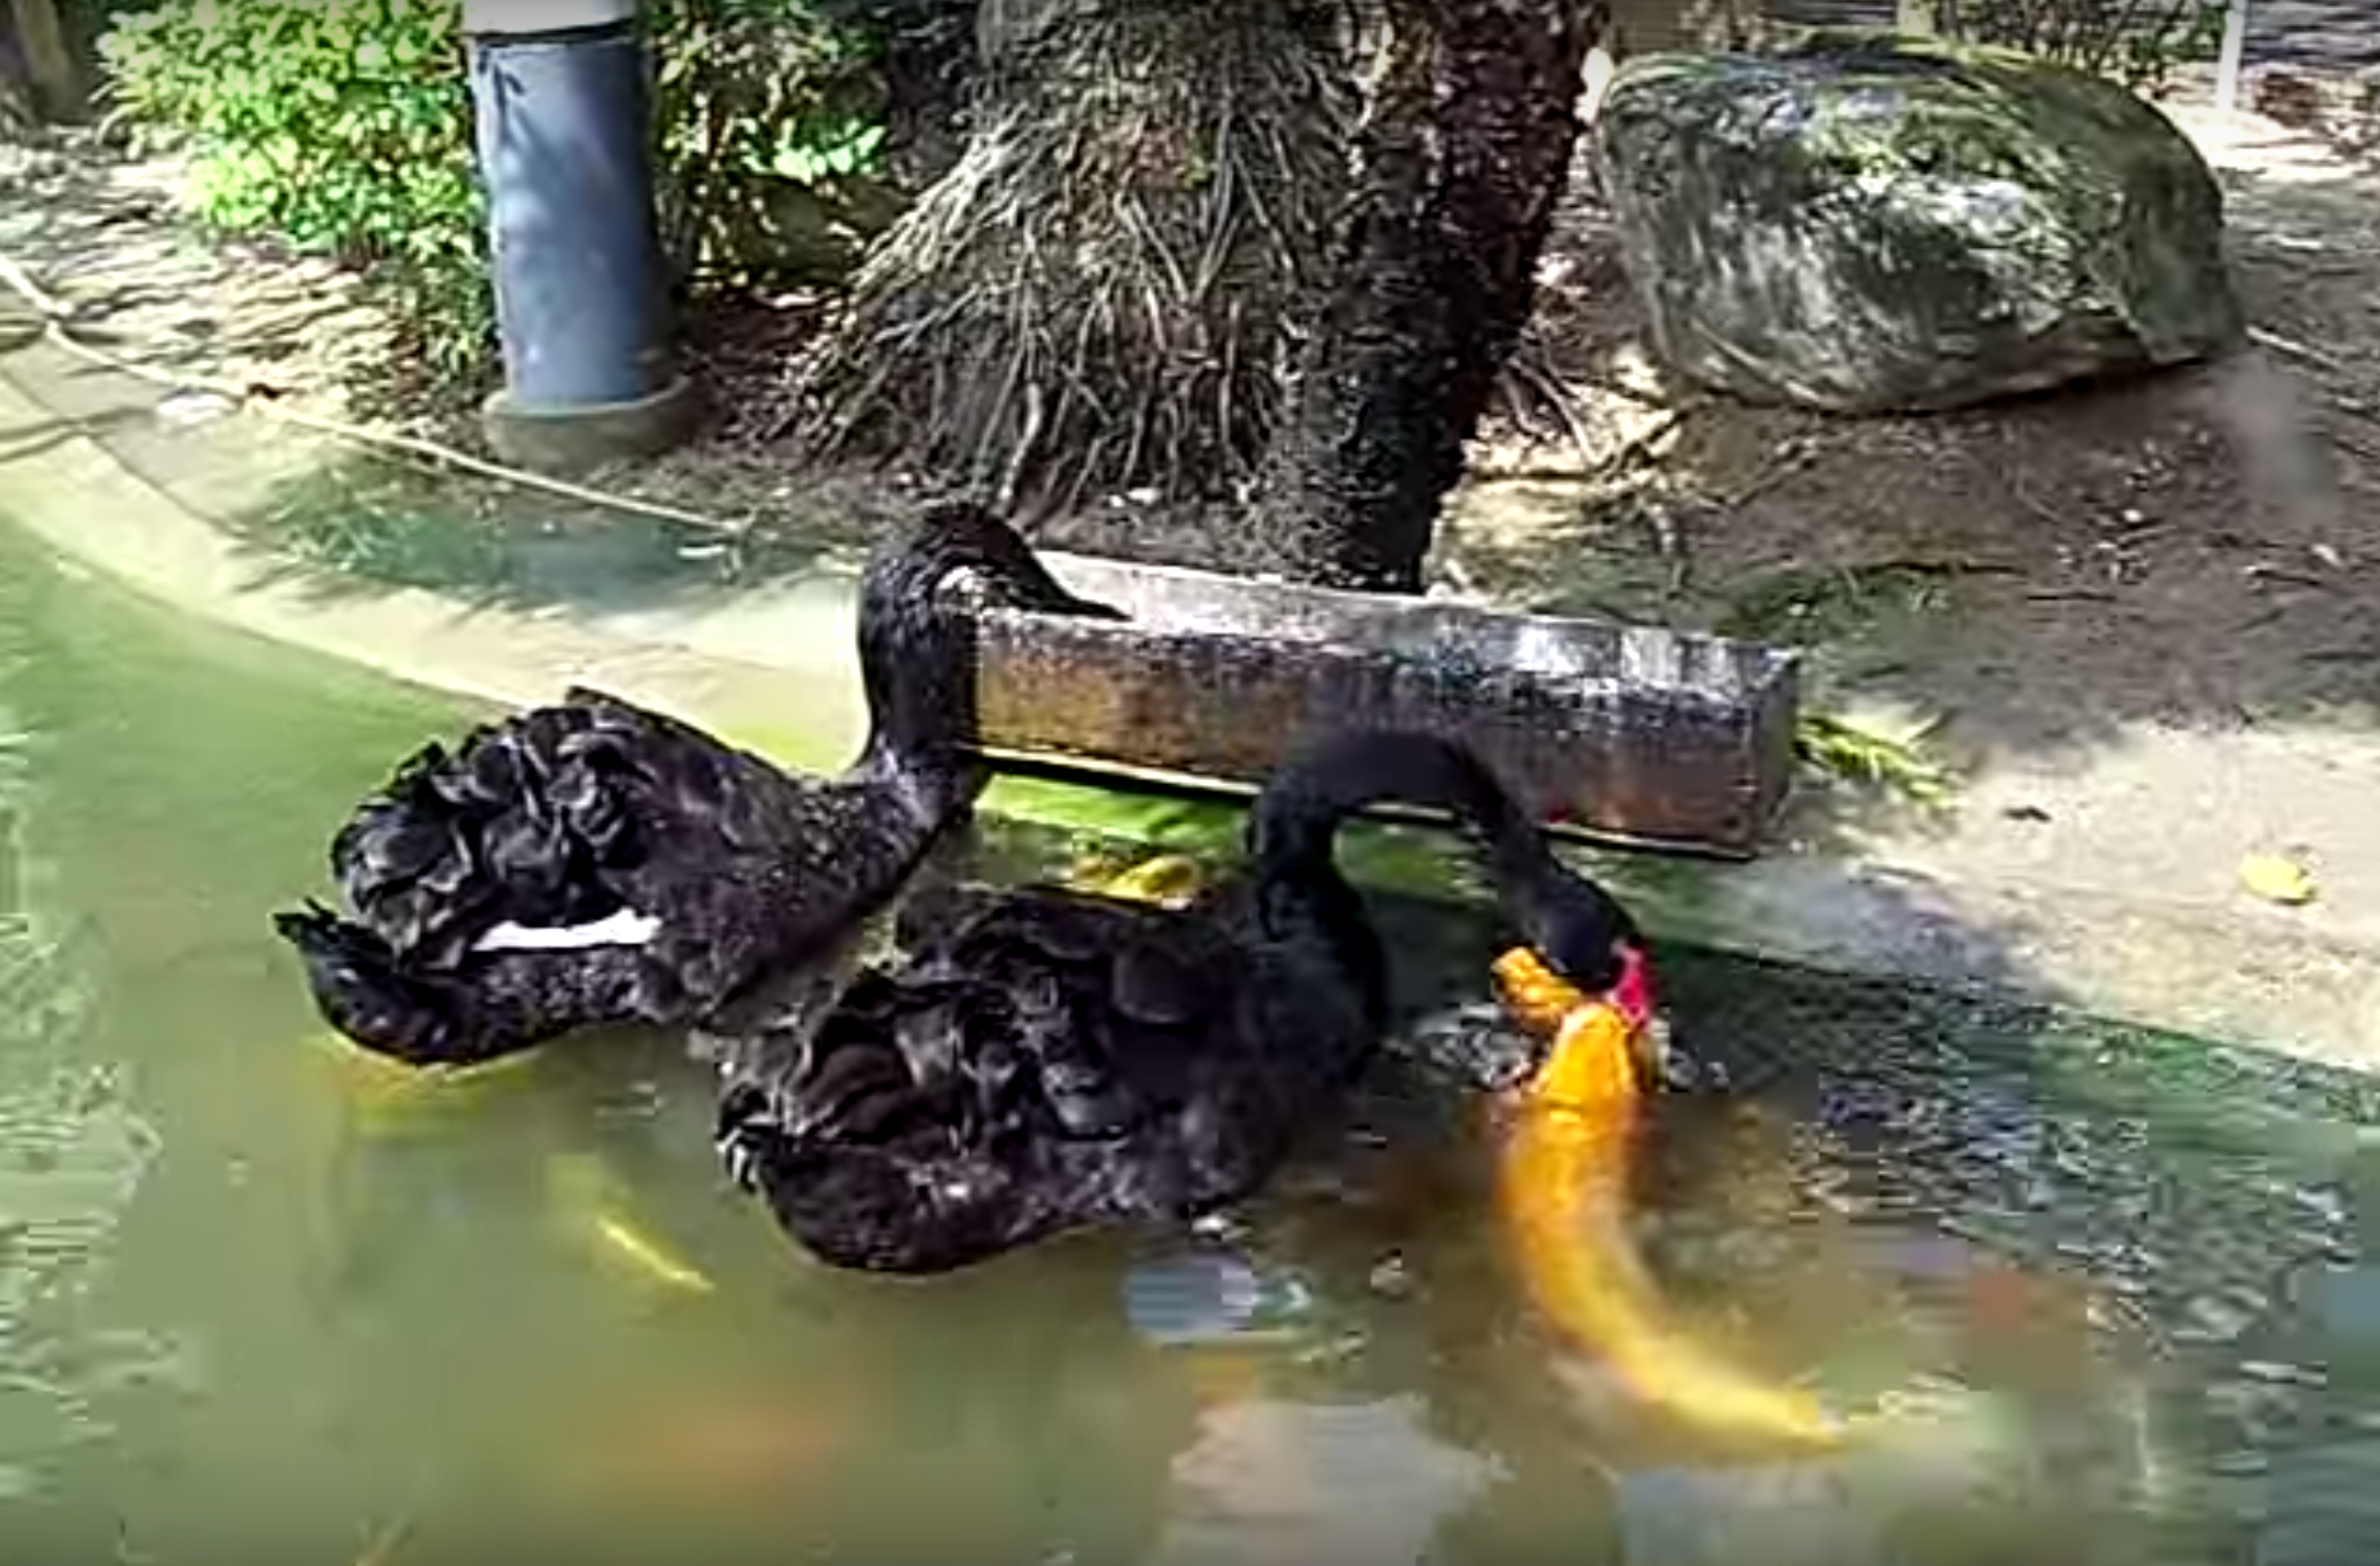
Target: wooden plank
[[1636, 733]]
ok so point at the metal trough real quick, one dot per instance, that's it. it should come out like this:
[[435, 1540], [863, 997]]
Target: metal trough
[[1629, 734]]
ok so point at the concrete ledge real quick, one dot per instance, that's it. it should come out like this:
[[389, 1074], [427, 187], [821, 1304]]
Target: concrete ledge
[[565, 441], [1637, 733], [77, 496]]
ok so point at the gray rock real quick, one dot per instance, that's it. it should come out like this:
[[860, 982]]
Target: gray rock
[[1865, 224]]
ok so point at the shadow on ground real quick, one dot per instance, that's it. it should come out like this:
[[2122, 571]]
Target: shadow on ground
[[21, 441], [366, 523], [104, 231], [2042, 574]]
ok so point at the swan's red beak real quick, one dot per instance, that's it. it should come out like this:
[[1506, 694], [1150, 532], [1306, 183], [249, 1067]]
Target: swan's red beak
[[1548, 1006], [1538, 998], [1633, 995]]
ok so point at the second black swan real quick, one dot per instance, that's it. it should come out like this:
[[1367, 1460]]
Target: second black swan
[[1044, 1057], [594, 863]]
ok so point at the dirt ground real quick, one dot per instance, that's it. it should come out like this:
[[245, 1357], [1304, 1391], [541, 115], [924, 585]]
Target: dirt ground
[[2185, 547], [2196, 548]]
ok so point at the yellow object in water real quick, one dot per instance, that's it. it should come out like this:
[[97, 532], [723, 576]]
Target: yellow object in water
[[581, 1190], [648, 1257], [1171, 880], [1220, 1376], [383, 1088], [1563, 1190], [2276, 879], [1533, 994]]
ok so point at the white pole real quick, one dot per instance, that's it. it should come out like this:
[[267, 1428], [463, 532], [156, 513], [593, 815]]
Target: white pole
[[2235, 45], [505, 18]]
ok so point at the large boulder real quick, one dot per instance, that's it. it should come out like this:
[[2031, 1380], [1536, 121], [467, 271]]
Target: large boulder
[[1864, 222]]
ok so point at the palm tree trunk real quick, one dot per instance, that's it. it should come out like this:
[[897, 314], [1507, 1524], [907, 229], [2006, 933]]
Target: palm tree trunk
[[1470, 147]]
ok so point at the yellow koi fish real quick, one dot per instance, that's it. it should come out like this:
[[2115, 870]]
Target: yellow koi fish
[[1563, 1190], [1168, 880], [383, 1090]]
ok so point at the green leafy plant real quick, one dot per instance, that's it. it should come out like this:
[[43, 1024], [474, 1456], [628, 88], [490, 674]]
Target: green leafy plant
[[2137, 42], [1866, 756], [770, 121], [346, 130]]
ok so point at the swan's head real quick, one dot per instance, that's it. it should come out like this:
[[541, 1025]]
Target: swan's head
[[1584, 954], [964, 549], [1582, 935]]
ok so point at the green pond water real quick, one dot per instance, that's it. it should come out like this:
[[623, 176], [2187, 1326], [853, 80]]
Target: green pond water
[[262, 1299]]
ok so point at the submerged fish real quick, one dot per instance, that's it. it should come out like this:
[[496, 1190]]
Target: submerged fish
[[648, 1255], [1563, 1189], [1168, 880], [385, 1542], [586, 1201]]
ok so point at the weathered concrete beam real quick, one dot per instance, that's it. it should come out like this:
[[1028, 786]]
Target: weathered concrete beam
[[1621, 733]]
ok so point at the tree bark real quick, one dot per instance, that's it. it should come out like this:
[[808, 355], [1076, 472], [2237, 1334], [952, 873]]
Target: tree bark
[[1106, 293], [1468, 149], [43, 42]]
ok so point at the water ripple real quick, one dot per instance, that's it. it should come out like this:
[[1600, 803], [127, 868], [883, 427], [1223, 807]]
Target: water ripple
[[73, 1152]]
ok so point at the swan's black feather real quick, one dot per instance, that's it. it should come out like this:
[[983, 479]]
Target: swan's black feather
[[569, 814], [1007, 1086], [436, 1019], [1043, 1057]]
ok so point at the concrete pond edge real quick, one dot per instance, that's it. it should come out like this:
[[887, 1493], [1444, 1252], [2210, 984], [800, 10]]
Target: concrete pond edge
[[729, 665]]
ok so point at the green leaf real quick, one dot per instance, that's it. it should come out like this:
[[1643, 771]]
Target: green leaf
[[347, 129]]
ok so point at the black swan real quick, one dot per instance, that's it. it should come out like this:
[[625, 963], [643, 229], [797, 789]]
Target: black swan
[[594, 863], [1043, 1057]]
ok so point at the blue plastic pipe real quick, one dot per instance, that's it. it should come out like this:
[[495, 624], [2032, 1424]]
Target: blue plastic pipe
[[563, 103]]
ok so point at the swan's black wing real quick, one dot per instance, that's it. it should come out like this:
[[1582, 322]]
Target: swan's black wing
[[1041, 1059], [560, 816], [498, 1004], [735, 912], [741, 876], [543, 820]]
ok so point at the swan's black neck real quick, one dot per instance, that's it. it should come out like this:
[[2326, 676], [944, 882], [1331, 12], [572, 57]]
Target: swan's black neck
[[1293, 833], [918, 666], [918, 650]]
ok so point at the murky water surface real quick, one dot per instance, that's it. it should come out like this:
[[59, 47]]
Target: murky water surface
[[261, 1299]]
